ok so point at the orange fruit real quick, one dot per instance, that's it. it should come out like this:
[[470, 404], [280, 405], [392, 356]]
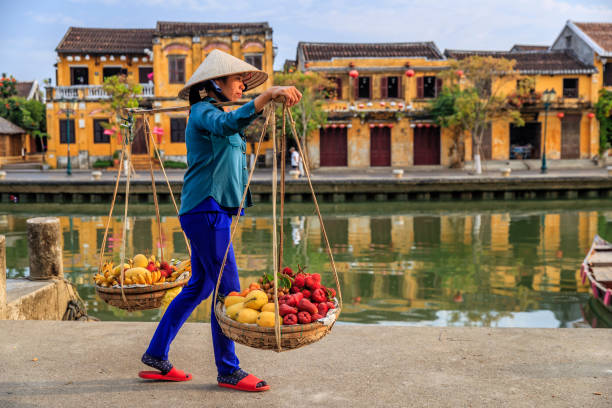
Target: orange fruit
[[233, 294], [245, 292], [254, 285]]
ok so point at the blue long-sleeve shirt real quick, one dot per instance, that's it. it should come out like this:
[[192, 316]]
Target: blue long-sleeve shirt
[[216, 155]]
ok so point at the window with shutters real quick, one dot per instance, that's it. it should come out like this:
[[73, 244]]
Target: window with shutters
[[254, 60], [67, 131], [99, 136], [143, 74], [79, 76], [429, 87], [177, 130], [363, 87], [570, 87], [176, 69], [112, 71], [607, 74], [392, 87]]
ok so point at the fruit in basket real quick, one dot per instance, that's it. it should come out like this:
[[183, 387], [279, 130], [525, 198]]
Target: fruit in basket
[[117, 269], [322, 308], [140, 261], [256, 299], [318, 296], [265, 319], [290, 319], [247, 315], [285, 309], [307, 306], [232, 300], [304, 317], [268, 307], [233, 310]]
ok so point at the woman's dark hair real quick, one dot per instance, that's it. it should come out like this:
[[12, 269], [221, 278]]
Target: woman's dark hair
[[208, 86], [194, 92]]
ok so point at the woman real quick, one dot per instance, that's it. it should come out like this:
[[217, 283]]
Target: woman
[[212, 191]]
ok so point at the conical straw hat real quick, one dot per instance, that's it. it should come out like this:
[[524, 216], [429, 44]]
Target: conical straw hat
[[219, 64]]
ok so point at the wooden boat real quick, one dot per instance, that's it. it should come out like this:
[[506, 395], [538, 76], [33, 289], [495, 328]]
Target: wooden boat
[[597, 268]]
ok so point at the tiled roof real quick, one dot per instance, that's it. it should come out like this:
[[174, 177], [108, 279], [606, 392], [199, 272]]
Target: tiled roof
[[24, 88], [106, 40], [528, 47], [170, 28], [600, 33], [9, 128], [533, 62], [327, 51]]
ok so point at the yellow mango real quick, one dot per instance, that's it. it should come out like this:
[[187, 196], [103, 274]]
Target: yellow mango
[[268, 307], [247, 315], [265, 319], [117, 269], [256, 299], [140, 261], [233, 310], [232, 300]]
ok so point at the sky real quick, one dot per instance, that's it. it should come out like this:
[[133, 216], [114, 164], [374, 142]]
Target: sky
[[31, 30]]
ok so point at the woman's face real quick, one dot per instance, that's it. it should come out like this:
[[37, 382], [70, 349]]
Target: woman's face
[[232, 87]]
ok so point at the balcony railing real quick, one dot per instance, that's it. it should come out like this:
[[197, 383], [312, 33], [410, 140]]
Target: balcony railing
[[89, 92]]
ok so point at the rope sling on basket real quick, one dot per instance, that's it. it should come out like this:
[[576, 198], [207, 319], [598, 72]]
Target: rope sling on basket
[[142, 283], [286, 336]]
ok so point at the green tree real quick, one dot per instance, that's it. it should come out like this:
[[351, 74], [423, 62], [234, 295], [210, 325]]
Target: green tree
[[603, 112], [7, 86], [123, 94], [308, 114], [475, 98]]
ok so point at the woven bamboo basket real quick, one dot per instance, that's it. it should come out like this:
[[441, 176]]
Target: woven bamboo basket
[[292, 337], [137, 298]]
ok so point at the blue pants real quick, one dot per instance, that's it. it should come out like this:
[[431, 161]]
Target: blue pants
[[209, 234]]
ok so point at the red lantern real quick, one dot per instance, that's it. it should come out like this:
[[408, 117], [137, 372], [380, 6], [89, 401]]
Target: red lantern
[[372, 126], [353, 73], [382, 104], [334, 126], [419, 125], [400, 106], [361, 106], [428, 125], [591, 115], [560, 115], [459, 73], [381, 125], [390, 126], [307, 64], [409, 73], [342, 126]]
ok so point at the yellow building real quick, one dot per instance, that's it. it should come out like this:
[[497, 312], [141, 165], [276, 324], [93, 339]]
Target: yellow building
[[571, 132], [384, 91], [381, 91], [160, 59]]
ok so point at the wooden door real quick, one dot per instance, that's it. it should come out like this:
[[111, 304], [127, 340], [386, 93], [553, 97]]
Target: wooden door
[[139, 145], [333, 147], [380, 146], [570, 137], [426, 146]]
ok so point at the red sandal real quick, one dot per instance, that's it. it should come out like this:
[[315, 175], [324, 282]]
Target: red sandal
[[172, 375], [248, 383]]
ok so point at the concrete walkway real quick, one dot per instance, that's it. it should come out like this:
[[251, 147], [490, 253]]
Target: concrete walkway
[[94, 364], [322, 174]]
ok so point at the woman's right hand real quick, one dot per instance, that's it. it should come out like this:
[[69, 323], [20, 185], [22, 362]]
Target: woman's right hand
[[287, 94]]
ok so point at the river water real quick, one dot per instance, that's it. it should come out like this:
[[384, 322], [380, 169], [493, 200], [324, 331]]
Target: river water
[[493, 264]]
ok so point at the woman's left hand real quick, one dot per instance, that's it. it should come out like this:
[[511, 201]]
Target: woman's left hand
[[287, 94]]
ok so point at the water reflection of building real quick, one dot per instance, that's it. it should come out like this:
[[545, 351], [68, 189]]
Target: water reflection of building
[[391, 264]]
